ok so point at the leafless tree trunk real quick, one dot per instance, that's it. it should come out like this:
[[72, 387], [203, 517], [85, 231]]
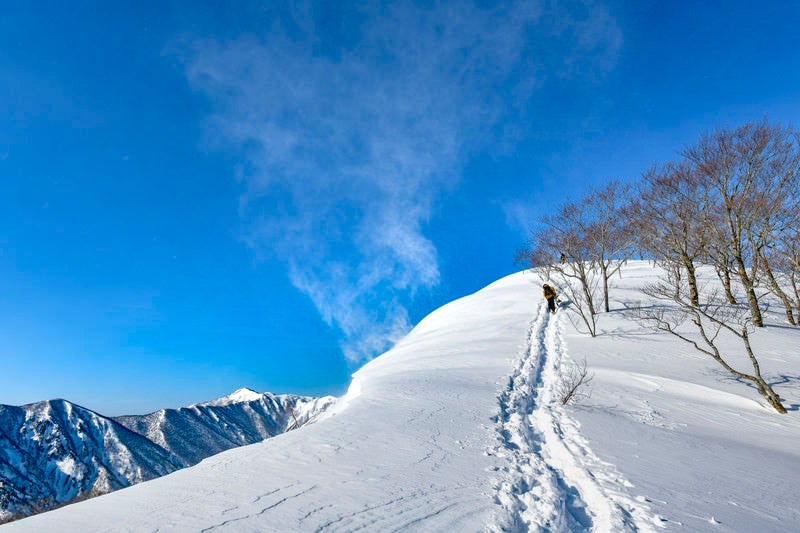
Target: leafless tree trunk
[[750, 171], [724, 275], [670, 217], [788, 250], [610, 242], [712, 319], [777, 290]]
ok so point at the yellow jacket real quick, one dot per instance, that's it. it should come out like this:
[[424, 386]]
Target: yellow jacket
[[549, 292]]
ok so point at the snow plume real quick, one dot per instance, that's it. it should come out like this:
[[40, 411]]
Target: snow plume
[[353, 126]]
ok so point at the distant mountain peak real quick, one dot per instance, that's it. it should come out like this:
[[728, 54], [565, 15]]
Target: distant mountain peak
[[245, 395], [242, 395]]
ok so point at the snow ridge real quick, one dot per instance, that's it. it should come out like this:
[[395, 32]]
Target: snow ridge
[[553, 481]]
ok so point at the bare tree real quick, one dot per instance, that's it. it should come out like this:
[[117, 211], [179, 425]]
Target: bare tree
[[713, 320], [789, 251], [780, 257], [785, 258], [779, 283], [581, 246], [749, 171], [560, 251], [670, 218], [609, 240], [720, 258]]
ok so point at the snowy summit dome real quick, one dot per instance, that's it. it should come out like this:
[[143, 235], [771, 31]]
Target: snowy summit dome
[[240, 396]]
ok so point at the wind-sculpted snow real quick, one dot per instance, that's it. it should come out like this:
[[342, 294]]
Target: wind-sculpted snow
[[408, 450], [457, 429]]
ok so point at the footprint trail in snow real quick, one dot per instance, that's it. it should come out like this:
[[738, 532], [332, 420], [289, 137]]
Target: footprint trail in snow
[[552, 480]]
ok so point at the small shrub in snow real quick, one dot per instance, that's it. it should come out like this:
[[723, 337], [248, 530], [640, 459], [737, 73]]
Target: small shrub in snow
[[573, 384]]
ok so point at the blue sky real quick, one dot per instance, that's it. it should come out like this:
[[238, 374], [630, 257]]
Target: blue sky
[[197, 197]]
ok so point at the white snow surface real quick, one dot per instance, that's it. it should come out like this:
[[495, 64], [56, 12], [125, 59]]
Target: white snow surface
[[458, 428]]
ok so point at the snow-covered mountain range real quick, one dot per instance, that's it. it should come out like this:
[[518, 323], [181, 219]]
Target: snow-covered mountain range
[[245, 417], [459, 428], [54, 451]]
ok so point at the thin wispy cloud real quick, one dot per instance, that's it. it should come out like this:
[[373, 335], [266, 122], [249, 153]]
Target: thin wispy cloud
[[350, 142]]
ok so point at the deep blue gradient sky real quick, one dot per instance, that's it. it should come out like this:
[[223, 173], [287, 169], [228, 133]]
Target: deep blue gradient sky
[[197, 197]]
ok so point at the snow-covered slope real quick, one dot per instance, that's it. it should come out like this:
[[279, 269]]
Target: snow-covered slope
[[707, 450], [458, 429]]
